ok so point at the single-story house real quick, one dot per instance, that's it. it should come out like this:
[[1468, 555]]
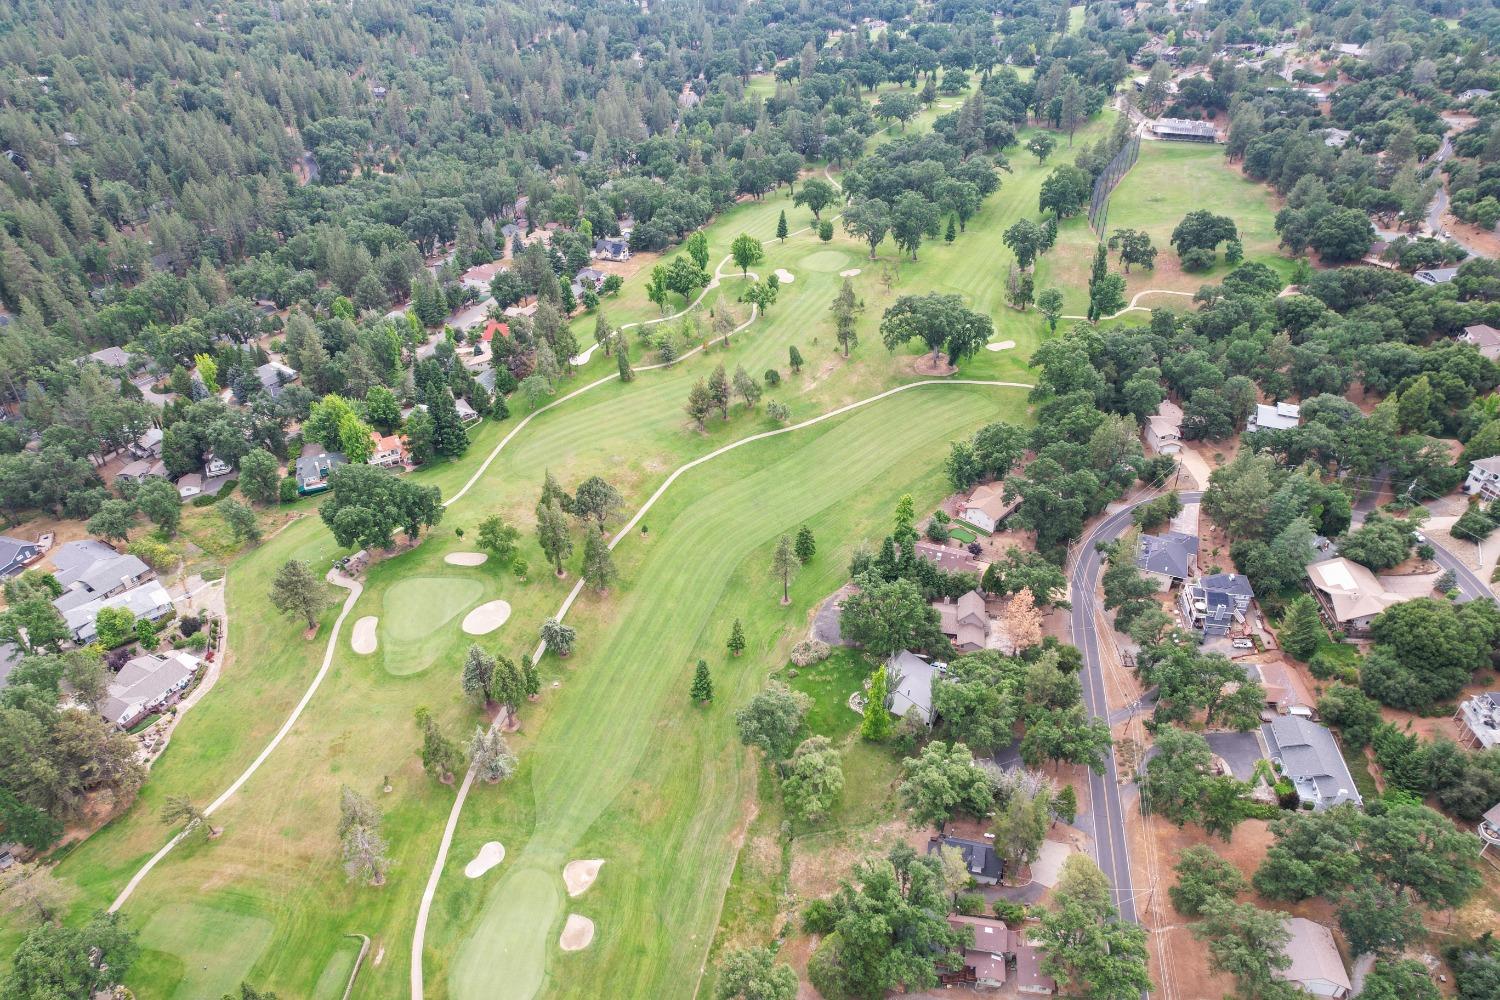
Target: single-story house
[[112, 357], [150, 601], [1213, 604], [985, 866], [273, 376], [189, 485], [1164, 429], [1184, 130], [590, 277], [312, 471], [947, 558], [1275, 681], [388, 450], [1350, 594], [1351, 49], [1485, 337], [910, 685], [987, 507], [612, 248], [466, 412], [74, 556], [965, 623], [146, 684], [492, 328], [148, 445], [1169, 559], [142, 469], [1029, 975], [1317, 968], [1310, 759], [110, 575], [1281, 417], [1480, 716], [1484, 478], [16, 554], [1436, 275]]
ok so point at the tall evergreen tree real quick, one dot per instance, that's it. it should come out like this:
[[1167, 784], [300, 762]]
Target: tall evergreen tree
[[703, 685], [878, 724], [736, 642], [781, 226]]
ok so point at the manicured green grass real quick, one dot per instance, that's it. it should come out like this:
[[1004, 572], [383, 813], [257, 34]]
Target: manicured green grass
[[201, 951], [335, 977], [965, 535], [829, 684], [416, 608]]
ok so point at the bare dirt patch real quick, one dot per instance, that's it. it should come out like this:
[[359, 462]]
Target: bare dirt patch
[[486, 618], [465, 558], [579, 875], [925, 365], [363, 640], [577, 933]]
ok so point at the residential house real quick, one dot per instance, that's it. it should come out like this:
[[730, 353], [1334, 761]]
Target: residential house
[[216, 468], [105, 577], [274, 376], [74, 556], [1164, 429], [141, 470], [612, 248], [312, 471], [466, 412], [150, 601], [1316, 966], [189, 485], [947, 558], [1350, 595], [16, 554], [993, 944], [1308, 756], [1184, 130], [910, 685], [1169, 559], [1436, 275], [984, 865], [965, 623], [493, 328], [589, 277], [1479, 717], [148, 445], [1475, 94], [1485, 337], [1213, 604], [388, 450], [10, 655], [1484, 478], [1350, 49], [1280, 417], [1273, 678], [987, 507], [113, 357], [1029, 975], [1335, 137], [146, 684]]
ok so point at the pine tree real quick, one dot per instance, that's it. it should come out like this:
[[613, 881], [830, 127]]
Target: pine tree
[[781, 226], [784, 565], [806, 546], [794, 358], [598, 564], [622, 361], [530, 681], [878, 724], [952, 233], [552, 533], [736, 638], [479, 674], [703, 685], [1301, 629], [719, 391]]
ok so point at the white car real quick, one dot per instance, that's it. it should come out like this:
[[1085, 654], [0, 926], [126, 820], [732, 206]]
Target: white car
[[1421, 538], [1242, 644]]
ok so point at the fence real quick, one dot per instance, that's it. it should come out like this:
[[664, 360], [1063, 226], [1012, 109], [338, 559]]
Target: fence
[[1105, 183]]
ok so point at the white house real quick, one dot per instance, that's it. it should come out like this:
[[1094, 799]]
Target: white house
[[1317, 967], [1484, 478], [987, 507], [387, 451], [1480, 716], [1483, 337], [1281, 417]]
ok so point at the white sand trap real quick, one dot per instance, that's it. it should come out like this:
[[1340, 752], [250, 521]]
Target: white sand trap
[[363, 639], [577, 933], [486, 618], [784, 276], [1003, 345], [465, 558], [489, 856], [849, 273], [579, 875]]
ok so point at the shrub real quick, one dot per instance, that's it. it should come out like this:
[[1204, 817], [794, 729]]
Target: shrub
[[970, 904], [205, 499], [809, 651], [1009, 911], [288, 490], [773, 377], [937, 531], [190, 624], [819, 917], [1198, 259]]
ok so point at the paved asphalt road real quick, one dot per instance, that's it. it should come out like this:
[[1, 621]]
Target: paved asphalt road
[[1469, 585]]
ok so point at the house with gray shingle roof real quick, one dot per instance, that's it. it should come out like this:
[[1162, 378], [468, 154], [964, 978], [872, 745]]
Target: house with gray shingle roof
[[1309, 758], [1169, 559], [15, 555], [910, 685]]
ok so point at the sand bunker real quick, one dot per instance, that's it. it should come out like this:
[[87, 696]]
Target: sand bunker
[[486, 618], [363, 639], [489, 856], [1003, 345], [784, 276], [465, 558], [577, 933], [849, 273], [579, 875]]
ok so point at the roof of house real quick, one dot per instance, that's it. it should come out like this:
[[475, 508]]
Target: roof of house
[[13, 550], [1170, 554], [911, 683], [143, 467], [959, 619], [75, 555], [388, 442], [1308, 751], [1436, 275], [274, 374], [139, 601], [591, 274], [991, 936], [492, 327], [990, 498], [319, 465], [1185, 126], [145, 680], [112, 357], [1491, 817], [465, 411], [946, 557], [980, 858], [1491, 464], [1315, 957], [1482, 335], [1282, 416], [1029, 967], [1352, 589], [1233, 584], [104, 574], [1167, 420]]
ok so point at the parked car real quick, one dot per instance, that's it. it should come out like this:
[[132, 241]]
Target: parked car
[[1242, 644]]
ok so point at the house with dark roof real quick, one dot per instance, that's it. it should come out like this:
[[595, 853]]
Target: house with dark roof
[[612, 248], [984, 865], [993, 944], [1169, 559], [274, 376], [1214, 604], [312, 471], [16, 554], [1307, 755], [1030, 978]]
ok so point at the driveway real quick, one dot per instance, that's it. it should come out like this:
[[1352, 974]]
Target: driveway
[[1241, 751], [825, 626]]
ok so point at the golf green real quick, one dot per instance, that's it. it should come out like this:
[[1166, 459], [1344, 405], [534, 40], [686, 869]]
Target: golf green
[[826, 261], [213, 949], [413, 610]]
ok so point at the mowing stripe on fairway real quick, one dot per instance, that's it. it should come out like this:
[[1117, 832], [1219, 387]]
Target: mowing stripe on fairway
[[419, 932]]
